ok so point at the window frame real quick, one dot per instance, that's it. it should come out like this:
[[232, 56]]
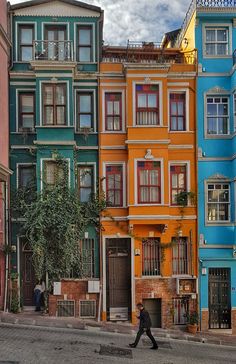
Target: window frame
[[54, 105], [120, 115], [104, 183], [160, 179], [215, 96], [186, 186], [150, 260], [92, 168], [185, 111], [42, 170], [24, 25], [90, 46], [215, 26], [120, 172], [18, 173], [217, 222], [90, 93], [186, 260], [147, 109], [21, 93]]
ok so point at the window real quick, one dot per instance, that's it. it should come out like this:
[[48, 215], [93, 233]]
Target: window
[[218, 202], [178, 181], [85, 117], [147, 105], [26, 37], [177, 112], [88, 263], [56, 42], [149, 182], [217, 115], [54, 104], [151, 257], [26, 176], [85, 175], [53, 172], [85, 51], [113, 109], [217, 41], [180, 256], [26, 111], [114, 185]]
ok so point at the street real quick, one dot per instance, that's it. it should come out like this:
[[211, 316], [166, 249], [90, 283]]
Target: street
[[22, 344]]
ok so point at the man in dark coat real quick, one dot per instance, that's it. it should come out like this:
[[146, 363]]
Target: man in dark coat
[[144, 326]]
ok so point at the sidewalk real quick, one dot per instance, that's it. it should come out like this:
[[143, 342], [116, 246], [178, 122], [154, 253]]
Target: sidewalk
[[32, 318]]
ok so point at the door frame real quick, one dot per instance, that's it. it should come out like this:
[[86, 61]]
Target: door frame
[[104, 283]]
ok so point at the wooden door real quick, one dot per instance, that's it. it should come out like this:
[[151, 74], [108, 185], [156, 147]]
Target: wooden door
[[118, 275], [153, 306], [28, 276]]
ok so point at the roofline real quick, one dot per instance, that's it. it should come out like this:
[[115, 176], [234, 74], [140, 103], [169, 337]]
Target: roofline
[[30, 3]]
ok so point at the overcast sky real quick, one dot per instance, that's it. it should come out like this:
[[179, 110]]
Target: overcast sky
[[144, 20]]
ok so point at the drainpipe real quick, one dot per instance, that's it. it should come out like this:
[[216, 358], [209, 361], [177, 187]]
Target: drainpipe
[[7, 244]]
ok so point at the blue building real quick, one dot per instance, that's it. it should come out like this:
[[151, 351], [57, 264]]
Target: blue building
[[53, 111], [210, 27]]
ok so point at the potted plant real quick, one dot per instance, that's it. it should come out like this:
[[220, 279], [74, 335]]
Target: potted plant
[[192, 322]]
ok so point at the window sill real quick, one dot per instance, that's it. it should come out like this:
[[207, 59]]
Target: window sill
[[54, 126], [182, 276], [113, 132], [23, 132], [222, 136], [227, 56], [219, 223], [84, 133], [180, 131], [116, 207], [147, 126], [151, 277]]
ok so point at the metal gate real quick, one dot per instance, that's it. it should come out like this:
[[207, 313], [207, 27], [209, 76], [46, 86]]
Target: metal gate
[[219, 298], [118, 263]]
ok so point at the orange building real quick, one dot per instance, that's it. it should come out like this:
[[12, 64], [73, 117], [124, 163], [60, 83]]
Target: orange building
[[148, 168]]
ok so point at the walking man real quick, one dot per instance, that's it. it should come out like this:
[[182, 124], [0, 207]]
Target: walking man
[[144, 326]]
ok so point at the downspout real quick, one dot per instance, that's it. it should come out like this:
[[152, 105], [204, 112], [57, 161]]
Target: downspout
[[7, 244], [99, 55]]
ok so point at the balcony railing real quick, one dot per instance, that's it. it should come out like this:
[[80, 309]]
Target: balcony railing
[[198, 4], [46, 50]]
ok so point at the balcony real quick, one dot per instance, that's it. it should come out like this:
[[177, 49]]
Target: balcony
[[53, 51], [146, 53]]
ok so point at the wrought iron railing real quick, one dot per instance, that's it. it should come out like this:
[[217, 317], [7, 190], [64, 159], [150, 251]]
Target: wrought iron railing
[[198, 4], [46, 50], [234, 57]]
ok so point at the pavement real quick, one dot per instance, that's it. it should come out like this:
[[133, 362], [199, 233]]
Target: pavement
[[39, 319]]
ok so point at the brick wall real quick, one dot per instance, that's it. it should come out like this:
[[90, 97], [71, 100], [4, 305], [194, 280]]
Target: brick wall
[[233, 321], [165, 289], [72, 290], [204, 320]]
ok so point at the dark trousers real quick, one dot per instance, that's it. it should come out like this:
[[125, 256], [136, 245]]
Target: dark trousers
[[140, 332], [37, 299]]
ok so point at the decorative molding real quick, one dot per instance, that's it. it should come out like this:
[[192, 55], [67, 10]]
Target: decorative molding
[[180, 146], [218, 176], [234, 22], [217, 90], [57, 142], [143, 141], [149, 155]]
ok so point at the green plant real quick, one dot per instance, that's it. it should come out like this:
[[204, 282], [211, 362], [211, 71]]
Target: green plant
[[14, 302], [192, 318], [14, 276], [183, 197]]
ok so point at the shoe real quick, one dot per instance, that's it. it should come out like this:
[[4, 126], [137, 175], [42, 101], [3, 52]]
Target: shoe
[[132, 345], [154, 347]]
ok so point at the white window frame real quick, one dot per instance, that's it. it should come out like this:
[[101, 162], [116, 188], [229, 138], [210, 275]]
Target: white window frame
[[18, 174], [41, 83], [216, 222], [187, 164], [104, 92], [124, 184], [215, 26], [217, 136], [76, 25], [180, 91], [42, 160], [93, 165], [150, 82], [136, 160], [86, 91], [17, 24]]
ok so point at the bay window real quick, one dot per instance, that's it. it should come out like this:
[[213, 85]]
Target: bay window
[[178, 181]]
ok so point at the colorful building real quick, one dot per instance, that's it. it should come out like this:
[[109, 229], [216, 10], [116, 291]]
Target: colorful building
[[210, 26], [4, 149], [147, 156], [53, 109]]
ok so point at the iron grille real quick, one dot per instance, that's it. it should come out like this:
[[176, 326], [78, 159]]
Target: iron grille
[[180, 310], [65, 308], [87, 308]]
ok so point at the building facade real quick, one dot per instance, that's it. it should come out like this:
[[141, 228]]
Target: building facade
[[4, 148], [210, 26], [53, 108], [147, 161]]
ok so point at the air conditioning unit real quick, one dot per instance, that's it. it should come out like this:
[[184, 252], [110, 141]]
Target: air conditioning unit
[[93, 286]]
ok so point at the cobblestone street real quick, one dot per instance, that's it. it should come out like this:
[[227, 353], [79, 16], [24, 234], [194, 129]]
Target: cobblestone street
[[19, 344]]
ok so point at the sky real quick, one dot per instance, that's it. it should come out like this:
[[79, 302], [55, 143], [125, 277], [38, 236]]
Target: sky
[[139, 20]]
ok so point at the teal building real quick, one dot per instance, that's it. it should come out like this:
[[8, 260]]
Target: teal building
[[56, 48]]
